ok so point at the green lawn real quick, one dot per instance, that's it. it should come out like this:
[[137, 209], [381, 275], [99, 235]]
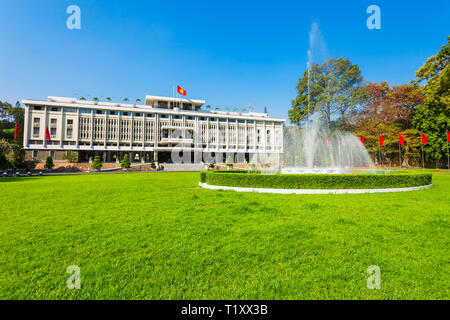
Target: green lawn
[[160, 236]]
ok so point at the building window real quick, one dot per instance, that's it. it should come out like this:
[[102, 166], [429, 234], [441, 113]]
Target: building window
[[69, 133], [37, 108], [112, 113], [69, 121], [53, 131], [187, 106], [53, 121], [55, 109], [177, 117], [37, 120], [35, 153], [163, 115], [190, 118], [36, 131], [124, 113], [162, 104], [150, 115], [70, 110], [137, 114], [99, 112], [85, 111]]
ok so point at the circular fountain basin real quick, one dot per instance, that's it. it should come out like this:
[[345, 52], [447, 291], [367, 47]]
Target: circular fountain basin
[[300, 170]]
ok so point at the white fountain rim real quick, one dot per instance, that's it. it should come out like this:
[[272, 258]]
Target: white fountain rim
[[314, 191]]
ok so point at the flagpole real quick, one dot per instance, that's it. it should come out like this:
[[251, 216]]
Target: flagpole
[[448, 158], [400, 154], [423, 160]]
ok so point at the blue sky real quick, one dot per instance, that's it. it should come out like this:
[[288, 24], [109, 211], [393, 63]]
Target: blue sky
[[230, 53]]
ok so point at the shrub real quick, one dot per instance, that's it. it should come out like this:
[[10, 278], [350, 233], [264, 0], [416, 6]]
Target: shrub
[[97, 163], [317, 181], [49, 163], [202, 177], [153, 165], [125, 163], [229, 161], [71, 156]]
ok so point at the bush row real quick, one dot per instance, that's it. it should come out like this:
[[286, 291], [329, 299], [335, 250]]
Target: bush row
[[317, 181]]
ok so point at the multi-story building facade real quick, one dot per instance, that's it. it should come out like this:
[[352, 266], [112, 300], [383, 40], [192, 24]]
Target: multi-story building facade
[[177, 130]]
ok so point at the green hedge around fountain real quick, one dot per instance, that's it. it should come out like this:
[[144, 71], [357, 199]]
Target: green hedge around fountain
[[315, 181]]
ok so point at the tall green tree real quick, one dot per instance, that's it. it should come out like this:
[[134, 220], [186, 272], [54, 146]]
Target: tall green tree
[[433, 117], [331, 88]]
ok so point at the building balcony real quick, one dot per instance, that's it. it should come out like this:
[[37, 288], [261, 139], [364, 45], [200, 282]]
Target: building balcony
[[176, 140]]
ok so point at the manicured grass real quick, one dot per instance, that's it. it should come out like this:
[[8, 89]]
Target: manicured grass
[[160, 236]]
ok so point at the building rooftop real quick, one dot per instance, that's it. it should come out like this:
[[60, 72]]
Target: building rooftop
[[149, 104]]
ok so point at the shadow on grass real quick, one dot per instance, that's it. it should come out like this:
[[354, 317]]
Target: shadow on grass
[[17, 179]]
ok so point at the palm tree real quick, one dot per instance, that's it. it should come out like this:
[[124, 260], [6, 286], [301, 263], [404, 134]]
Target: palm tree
[[243, 110], [108, 99], [95, 99], [208, 107], [217, 108], [227, 109], [126, 100], [82, 98], [138, 100], [235, 109]]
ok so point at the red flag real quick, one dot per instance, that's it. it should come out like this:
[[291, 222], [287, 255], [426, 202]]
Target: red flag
[[448, 136], [381, 140], [401, 140], [181, 91], [15, 133], [361, 138], [47, 134], [424, 138], [326, 142]]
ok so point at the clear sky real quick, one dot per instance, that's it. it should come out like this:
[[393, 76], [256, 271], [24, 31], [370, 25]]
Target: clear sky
[[230, 53]]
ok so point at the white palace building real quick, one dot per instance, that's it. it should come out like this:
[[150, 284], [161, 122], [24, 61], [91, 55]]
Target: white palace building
[[174, 129]]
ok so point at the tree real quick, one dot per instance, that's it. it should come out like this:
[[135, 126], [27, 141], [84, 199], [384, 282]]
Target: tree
[[208, 107], [108, 99], [126, 99], [333, 87], [389, 112], [125, 163], [235, 109], [97, 163], [265, 110], [83, 98], [70, 156], [138, 100], [433, 116], [229, 162], [9, 116], [49, 163], [95, 99]]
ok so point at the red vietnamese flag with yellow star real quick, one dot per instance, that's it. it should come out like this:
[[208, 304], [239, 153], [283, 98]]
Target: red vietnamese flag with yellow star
[[181, 91]]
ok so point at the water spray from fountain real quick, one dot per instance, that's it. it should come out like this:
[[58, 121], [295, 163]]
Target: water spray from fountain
[[315, 148]]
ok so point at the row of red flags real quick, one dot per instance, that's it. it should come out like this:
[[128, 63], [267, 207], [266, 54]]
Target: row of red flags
[[401, 139], [47, 133]]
